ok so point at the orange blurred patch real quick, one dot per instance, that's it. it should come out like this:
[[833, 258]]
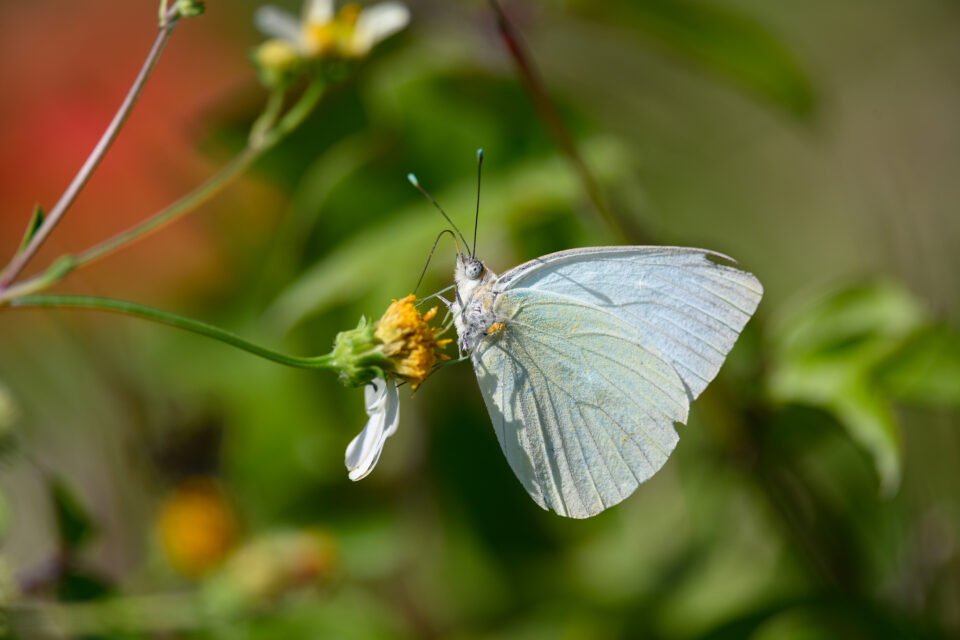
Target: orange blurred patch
[[197, 526]]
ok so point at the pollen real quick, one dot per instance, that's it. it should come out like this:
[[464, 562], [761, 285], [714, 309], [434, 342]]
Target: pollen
[[496, 327], [410, 344]]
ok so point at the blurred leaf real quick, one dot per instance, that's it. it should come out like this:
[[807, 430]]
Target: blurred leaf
[[826, 355], [926, 368], [386, 256], [77, 585], [4, 516], [9, 413], [74, 525], [729, 44], [36, 219]]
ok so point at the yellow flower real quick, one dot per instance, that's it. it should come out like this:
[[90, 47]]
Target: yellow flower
[[408, 341]]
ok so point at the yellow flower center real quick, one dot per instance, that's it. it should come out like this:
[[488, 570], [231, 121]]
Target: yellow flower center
[[408, 341], [324, 38]]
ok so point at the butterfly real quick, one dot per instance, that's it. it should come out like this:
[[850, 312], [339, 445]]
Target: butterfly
[[587, 358]]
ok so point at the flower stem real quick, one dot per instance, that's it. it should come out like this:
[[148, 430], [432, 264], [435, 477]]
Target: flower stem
[[172, 319], [534, 87], [187, 203], [21, 259]]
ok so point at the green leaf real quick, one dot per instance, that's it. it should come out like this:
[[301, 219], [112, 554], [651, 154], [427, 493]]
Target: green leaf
[[9, 414], [727, 43], [36, 219], [74, 525], [4, 516], [925, 369], [828, 354]]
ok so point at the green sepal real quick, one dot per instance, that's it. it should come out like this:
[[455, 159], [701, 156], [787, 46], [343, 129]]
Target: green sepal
[[190, 8], [357, 355], [36, 219]]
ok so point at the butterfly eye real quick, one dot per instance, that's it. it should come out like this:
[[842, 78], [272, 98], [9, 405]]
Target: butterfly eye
[[474, 269]]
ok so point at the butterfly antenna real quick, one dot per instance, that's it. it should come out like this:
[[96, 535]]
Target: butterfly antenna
[[430, 257], [476, 216], [413, 180]]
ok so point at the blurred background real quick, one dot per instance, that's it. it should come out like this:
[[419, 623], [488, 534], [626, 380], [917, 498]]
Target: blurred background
[[158, 484]]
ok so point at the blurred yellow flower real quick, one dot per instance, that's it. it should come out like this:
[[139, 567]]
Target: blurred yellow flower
[[196, 526]]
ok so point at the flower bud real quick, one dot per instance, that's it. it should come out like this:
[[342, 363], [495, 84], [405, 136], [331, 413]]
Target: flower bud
[[264, 570], [190, 8], [277, 62]]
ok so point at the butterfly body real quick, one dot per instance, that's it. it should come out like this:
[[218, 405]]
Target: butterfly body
[[473, 306], [587, 358]]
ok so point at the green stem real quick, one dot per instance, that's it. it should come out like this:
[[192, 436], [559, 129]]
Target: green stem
[[172, 319], [184, 205], [297, 113], [261, 127]]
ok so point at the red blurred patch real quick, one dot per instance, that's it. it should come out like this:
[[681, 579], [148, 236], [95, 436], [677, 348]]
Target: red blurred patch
[[65, 67]]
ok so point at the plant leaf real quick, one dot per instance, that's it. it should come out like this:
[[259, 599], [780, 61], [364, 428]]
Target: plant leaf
[[74, 525], [827, 355], [925, 369], [36, 219], [727, 43]]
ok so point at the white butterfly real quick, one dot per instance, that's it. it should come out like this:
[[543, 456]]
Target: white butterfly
[[586, 358]]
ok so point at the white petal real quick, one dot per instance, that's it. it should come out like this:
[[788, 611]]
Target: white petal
[[317, 11], [383, 404], [277, 23], [378, 22]]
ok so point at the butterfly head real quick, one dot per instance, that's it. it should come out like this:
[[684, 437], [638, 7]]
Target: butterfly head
[[473, 269]]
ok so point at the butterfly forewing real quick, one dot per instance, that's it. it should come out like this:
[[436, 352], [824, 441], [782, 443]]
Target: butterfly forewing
[[583, 407], [687, 307]]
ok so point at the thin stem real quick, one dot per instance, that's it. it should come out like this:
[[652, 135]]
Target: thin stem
[[21, 259], [184, 205], [172, 319], [267, 119], [257, 145], [297, 113], [555, 124]]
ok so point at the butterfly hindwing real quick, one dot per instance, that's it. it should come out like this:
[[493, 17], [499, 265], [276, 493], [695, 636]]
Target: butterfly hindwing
[[584, 408]]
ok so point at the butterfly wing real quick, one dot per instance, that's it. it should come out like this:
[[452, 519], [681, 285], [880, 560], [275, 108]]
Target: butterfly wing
[[684, 305], [583, 411]]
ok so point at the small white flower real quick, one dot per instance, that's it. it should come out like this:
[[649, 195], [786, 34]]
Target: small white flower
[[383, 404], [351, 32]]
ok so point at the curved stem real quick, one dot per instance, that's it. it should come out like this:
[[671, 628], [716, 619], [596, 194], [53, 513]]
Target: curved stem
[[184, 205], [21, 259], [172, 319]]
